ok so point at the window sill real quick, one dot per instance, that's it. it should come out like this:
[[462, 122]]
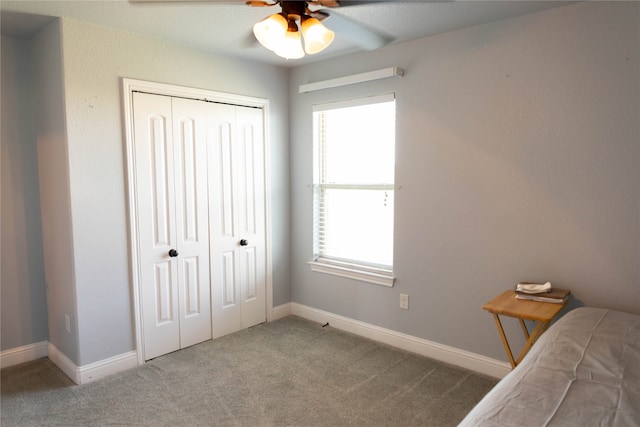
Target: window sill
[[353, 272]]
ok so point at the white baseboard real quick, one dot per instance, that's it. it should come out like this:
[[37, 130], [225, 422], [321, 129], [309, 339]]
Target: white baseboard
[[281, 311], [443, 353], [95, 371], [26, 353], [61, 361]]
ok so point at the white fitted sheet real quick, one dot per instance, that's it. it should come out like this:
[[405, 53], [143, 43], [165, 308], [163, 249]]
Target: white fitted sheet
[[584, 371]]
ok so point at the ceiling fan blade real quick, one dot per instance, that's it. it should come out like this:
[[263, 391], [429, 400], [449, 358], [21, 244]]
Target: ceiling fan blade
[[187, 1], [343, 3], [259, 3], [355, 32], [324, 3]]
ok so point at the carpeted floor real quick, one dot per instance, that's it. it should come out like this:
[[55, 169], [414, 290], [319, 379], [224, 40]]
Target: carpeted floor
[[290, 372]]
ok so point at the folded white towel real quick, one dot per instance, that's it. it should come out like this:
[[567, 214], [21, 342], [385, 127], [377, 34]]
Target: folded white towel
[[534, 288]]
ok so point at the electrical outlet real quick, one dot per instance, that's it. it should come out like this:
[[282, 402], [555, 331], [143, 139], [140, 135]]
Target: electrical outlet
[[67, 323], [404, 301]]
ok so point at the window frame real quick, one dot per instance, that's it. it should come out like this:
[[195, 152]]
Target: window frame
[[379, 275]]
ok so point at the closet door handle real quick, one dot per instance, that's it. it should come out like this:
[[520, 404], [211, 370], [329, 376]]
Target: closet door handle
[[243, 242], [173, 253]]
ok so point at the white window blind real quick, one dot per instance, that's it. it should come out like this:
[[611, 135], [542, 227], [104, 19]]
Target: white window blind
[[354, 158]]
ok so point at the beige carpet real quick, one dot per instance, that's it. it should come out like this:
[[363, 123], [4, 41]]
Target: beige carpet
[[291, 372]]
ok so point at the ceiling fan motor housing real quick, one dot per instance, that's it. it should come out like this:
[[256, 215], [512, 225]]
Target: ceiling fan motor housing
[[294, 10]]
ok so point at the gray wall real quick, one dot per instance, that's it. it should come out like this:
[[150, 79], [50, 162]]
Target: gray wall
[[81, 155], [95, 58], [23, 295], [518, 159], [53, 175]]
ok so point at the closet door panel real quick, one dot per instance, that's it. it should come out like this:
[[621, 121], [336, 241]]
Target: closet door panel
[[224, 242], [191, 206], [251, 212], [156, 223]]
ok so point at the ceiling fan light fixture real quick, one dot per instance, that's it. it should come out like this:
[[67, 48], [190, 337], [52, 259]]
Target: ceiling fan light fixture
[[290, 47], [271, 31], [317, 37]]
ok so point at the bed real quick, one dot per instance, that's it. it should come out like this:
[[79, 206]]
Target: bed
[[584, 371]]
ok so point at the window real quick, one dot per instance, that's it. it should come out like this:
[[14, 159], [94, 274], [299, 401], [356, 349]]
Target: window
[[354, 158]]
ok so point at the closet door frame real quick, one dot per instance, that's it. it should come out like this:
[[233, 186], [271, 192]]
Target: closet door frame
[[129, 86]]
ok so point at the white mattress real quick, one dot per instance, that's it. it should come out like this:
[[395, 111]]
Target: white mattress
[[584, 371]]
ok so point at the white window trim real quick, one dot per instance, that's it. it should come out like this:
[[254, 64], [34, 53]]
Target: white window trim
[[376, 276], [368, 100], [355, 271]]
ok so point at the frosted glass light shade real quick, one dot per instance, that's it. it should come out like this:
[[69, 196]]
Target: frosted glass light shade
[[271, 31], [291, 46], [316, 36]]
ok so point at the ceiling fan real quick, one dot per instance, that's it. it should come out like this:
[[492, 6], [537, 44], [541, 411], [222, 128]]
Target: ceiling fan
[[284, 31], [281, 32]]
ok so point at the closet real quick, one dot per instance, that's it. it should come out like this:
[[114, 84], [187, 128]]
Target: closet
[[199, 219]]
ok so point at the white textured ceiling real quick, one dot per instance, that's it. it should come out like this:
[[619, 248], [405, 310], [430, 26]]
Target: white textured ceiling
[[225, 26]]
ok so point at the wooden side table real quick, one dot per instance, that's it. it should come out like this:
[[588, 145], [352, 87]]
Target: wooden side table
[[507, 305]]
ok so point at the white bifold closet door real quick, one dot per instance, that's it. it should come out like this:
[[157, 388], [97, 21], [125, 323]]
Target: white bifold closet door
[[237, 218], [200, 190]]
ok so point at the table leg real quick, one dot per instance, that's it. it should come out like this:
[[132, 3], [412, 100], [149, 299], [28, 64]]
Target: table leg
[[537, 331], [504, 340], [524, 329]]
